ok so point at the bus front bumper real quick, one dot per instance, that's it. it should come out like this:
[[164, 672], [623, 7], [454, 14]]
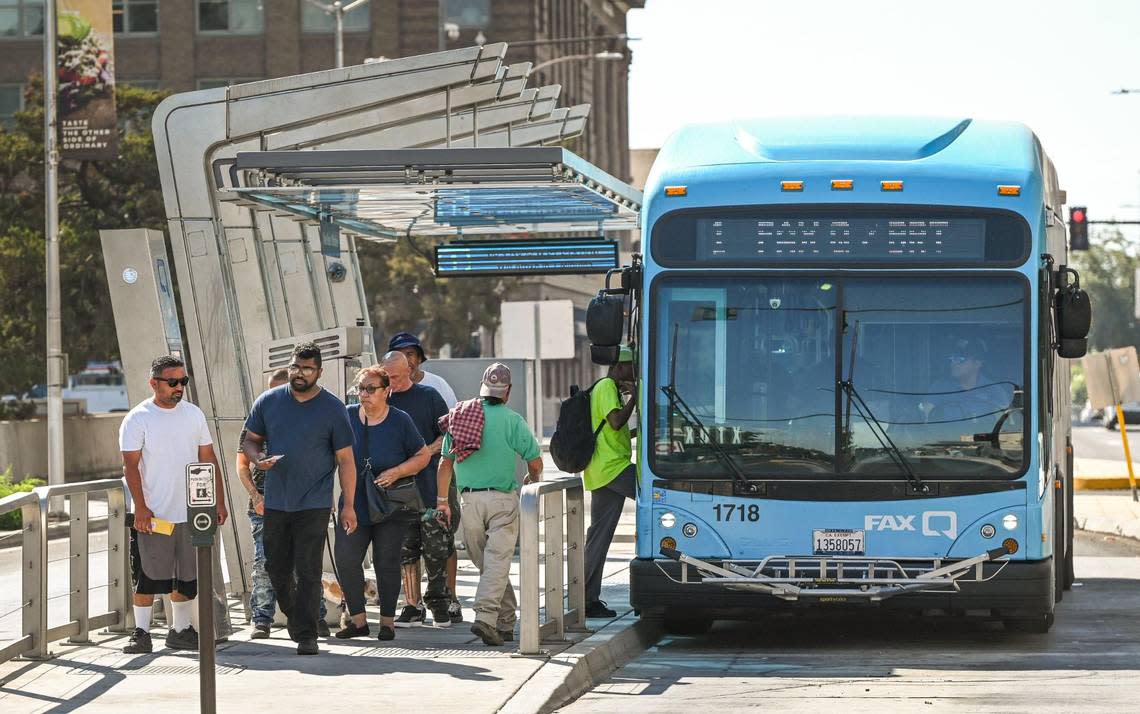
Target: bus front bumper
[[741, 589]]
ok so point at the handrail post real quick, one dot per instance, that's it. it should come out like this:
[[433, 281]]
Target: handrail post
[[78, 543], [530, 629], [118, 561], [35, 575], [576, 557], [552, 551]]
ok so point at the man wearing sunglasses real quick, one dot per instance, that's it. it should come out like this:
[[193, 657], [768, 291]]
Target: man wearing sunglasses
[[158, 438], [311, 438]]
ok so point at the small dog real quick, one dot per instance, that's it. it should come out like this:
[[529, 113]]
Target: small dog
[[334, 597]]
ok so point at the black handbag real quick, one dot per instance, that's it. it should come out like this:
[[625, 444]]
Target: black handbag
[[383, 502]]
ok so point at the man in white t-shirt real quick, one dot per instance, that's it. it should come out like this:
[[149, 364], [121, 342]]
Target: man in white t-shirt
[[410, 345], [158, 438]]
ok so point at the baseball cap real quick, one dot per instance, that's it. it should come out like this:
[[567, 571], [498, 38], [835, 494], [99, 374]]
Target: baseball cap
[[625, 354], [496, 381], [400, 340]]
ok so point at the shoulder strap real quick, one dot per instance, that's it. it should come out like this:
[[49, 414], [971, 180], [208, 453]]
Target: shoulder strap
[[367, 447]]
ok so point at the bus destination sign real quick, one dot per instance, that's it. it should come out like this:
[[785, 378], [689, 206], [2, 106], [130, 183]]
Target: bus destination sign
[[863, 239]]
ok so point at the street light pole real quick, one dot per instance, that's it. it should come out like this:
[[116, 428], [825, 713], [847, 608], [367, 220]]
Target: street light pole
[[338, 10], [602, 56], [54, 330]]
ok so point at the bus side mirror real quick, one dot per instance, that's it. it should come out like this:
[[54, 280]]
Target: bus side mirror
[[605, 324], [1073, 314]]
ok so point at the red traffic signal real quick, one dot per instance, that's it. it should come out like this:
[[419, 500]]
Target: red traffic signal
[[1078, 228]]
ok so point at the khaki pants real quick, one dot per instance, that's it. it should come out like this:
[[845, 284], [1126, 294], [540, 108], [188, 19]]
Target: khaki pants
[[490, 531]]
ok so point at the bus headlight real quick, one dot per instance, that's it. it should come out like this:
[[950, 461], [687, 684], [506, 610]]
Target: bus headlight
[[988, 531], [1009, 522], [689, 529], [667, 520], [668, 543]]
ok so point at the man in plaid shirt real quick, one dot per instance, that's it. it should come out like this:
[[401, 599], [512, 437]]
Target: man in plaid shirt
[[483, 458]]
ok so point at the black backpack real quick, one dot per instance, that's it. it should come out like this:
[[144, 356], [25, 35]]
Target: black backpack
[[572, 445]]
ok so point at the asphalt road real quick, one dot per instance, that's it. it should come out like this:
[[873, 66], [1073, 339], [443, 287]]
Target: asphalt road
[[1096, 442], [1088, 662]]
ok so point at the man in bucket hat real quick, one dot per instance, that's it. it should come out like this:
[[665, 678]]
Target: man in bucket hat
[[410, 345], [483, 437]]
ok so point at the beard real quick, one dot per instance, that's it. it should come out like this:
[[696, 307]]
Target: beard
[[176, 397], [300, 385]]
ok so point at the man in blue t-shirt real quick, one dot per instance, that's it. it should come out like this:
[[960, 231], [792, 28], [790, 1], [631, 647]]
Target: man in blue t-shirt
[[431, 540], [311, 437]]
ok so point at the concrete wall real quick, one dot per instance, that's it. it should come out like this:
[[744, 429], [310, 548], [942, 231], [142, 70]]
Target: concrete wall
[[91, 451]]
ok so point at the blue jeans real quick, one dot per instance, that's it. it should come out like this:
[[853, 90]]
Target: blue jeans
[[262, 601]]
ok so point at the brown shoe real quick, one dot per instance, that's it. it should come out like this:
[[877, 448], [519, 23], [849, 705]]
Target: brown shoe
[[487, 633]]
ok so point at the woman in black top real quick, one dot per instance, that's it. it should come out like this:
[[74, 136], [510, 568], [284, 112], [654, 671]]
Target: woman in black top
[[388, 449]]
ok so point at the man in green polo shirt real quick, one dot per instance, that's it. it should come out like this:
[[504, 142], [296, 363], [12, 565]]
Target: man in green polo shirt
[[488, 493], [610, 477]]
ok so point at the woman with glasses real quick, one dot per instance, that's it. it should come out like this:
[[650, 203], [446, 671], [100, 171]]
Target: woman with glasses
[[389, 453]]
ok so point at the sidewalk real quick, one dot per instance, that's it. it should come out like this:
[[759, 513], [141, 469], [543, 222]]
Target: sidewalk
[[425, 669]]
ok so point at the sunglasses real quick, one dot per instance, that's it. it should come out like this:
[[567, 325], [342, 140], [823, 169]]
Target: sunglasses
[[959, 359], [371, 388], [173, 382]]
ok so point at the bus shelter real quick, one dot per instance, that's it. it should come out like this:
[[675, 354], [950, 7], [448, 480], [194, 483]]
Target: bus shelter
[[269, 186]]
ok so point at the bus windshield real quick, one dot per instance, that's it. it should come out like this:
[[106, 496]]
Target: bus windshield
[[803, 376]]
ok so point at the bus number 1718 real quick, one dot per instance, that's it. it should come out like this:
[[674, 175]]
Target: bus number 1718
[[735, 512]]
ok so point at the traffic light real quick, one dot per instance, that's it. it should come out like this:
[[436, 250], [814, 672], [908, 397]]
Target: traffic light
[[1078, 228]]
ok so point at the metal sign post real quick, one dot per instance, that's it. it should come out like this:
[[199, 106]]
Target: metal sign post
[[202, 515]]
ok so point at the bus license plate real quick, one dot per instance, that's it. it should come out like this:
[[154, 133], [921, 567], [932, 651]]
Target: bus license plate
[[837, 542]]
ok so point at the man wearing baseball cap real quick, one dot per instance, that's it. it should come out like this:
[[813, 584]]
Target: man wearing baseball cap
[[410, 345], [483, 438]]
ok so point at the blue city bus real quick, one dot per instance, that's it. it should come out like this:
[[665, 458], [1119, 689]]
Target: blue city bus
[[854, 387]]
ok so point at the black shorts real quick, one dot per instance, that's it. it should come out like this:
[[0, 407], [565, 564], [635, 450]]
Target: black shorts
[[167, 559]]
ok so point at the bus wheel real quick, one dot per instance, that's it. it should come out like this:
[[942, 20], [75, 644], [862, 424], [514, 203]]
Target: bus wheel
[[688, 625], [1038, 624]]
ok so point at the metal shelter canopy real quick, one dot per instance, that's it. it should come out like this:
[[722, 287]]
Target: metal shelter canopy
[[387, 193]]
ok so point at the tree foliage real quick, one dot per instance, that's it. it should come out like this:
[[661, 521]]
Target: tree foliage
[[93, 195], [405, 295], [1107, 274]]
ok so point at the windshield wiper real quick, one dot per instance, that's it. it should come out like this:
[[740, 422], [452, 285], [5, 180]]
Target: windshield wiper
[[880, 433], [678, 404]]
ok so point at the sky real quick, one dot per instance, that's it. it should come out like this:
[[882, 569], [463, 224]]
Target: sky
[[1051, 64]]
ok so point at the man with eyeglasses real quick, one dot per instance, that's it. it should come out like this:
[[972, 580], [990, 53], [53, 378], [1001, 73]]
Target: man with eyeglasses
[[158, 438], [311, 438]]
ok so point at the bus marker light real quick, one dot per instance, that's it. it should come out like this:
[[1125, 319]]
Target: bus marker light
[[1009, 522], [791, 185], [1009, 190], [1010, 545], [1044, 538], [689, 529], [668, 520], [668, 543], [988, 531], [842, 184], [891, 185], [676, 190]]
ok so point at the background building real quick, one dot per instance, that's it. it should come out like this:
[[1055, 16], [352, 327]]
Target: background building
[[183, 45]]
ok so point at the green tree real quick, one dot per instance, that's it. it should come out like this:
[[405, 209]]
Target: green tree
[[1107, 274], [404, 294], [93, 195]]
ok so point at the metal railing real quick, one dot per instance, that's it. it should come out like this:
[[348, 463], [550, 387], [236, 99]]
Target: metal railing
[[34, 566], [558, 548]]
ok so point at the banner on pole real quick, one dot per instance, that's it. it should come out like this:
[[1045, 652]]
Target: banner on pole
[[88, 128]]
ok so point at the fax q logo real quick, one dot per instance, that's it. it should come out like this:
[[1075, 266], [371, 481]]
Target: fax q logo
[[935, 523]]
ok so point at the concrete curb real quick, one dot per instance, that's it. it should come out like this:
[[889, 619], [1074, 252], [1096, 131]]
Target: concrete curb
[[1101, 483], [1100, 524], [568, 675]]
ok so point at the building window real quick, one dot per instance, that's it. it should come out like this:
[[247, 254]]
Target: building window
[[468, 14], [237, 16], [11, 101], [314, 19], [21, 18], [134, 17]]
